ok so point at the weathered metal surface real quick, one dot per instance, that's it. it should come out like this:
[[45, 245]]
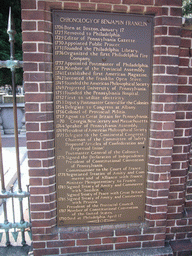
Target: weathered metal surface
[[102, 89], [12, 64]]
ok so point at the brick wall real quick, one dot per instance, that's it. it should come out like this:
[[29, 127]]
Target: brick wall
[[169, 131], [179, 223]]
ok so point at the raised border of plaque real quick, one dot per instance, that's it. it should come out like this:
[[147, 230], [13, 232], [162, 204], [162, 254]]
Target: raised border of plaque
[[102, 65]]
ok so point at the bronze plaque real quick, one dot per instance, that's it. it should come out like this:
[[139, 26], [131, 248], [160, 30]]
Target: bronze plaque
[[102, 89]]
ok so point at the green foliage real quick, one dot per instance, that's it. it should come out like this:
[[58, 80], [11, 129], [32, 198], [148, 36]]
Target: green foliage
[[5, 74], [187, 8]]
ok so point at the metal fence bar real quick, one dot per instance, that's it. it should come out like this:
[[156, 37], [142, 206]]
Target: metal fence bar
[[12, 64]]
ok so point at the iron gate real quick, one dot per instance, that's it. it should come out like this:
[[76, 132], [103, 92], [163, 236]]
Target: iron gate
[[13, 227]]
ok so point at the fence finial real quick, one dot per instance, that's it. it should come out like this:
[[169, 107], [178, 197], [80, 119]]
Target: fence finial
[[11, 27]]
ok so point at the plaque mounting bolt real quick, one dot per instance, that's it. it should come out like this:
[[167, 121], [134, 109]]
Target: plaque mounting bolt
[[102, 189], [104, 59]]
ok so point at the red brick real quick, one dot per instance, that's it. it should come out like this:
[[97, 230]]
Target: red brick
[[169, 107], [28, 25], [165, 79], [154, 160], [46, 87], [31, 87], [34, 15], [36, 57], [141, 2], [185, 71], [39, 154], [158, 88], [166, 160], [31, 107], [162, 134], [40, 190], [169, 21], [136, 9], [185, 43], [155, 125], [44, 47], [30, 4], [175, 31], [163, 193], [39, 135], [184, 52], [40, 172], [39, 245], [159, 69], [156, 10], [103, 233], [176, 12], [37, 199], [60, 243], [47, 144], [42, 223], [166, 60], [167, 143], [38, 97], [127, 245], [47, 163], [184, 89], [104, 7], [49, 5], [126, 232], [184, 62], [105, 247], [120, 8], [36, 36], [38, 117], [155, 143], [183, 124], [34, 163], [166, 2], [177, 149], [154, 243], [140, 238], [44, 26], [31, 67], [47, 126], [76, 249], [71, 6], [167, 40], [166, 97], [172, 70], [29, 47], [35, 181], [158, 50], [46, 252], [88, 241], [173, 50], [114, 240], [32, 127], [160, 31], [47, 106], [161, 152], [37, 215], [76, 235], [37, 77], [163, 117], [107, 1], [33, 145], [168, 126]]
